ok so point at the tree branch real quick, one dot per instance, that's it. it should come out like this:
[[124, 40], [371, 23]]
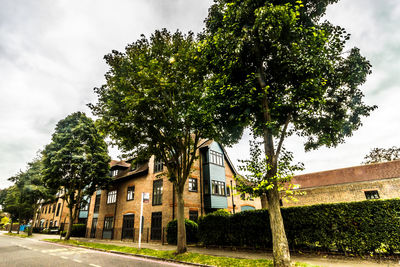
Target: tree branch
[[283, 135]]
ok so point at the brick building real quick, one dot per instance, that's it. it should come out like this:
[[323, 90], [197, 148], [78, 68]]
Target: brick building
[[115, 213], [52, 214], [373, 181]]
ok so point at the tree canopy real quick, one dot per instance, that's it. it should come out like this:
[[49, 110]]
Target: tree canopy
[[154, 104], [76, 161], [377, 155], [278, 69]]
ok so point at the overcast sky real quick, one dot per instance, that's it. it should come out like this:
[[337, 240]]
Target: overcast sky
[[51, 58]]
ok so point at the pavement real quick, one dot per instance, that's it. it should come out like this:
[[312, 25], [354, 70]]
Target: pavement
[[322, 260]]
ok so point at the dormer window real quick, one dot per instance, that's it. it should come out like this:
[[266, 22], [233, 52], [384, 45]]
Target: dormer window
[[114, 172]]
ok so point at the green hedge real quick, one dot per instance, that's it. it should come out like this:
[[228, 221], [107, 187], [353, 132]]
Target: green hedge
[[358, 227], [78, 230], [191, 231]]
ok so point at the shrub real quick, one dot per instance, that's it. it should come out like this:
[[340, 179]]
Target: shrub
[[78, 230], [214, 228], [191, 231], [364, 227]]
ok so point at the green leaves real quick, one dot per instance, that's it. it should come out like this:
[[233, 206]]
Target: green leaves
[[76, 160]]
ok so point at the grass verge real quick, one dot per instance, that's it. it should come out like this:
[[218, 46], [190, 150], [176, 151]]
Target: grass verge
[[19, 235], [170, 255]]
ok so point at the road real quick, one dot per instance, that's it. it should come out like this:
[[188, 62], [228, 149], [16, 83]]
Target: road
[[19, 252]]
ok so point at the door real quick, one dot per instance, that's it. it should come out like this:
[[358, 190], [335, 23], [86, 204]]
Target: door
[[156, 226], [128, 224], [93, 229]]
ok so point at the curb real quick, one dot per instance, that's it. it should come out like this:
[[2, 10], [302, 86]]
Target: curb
[[131, 254]]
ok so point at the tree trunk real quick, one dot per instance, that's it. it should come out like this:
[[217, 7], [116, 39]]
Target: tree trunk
[[69, 225], [19, 225], [30, 230], [279, 241], [11, 225], [264, 202], [181, 238]]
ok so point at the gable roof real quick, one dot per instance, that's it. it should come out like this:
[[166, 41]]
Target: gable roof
[[207, 144]]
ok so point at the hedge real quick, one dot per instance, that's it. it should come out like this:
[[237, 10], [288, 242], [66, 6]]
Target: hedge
[[78, 230], [191, 231], [365, 227]]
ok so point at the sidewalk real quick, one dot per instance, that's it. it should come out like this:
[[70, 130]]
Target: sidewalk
[[311, 259]]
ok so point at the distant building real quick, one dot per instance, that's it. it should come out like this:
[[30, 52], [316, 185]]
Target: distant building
[[372, 181]]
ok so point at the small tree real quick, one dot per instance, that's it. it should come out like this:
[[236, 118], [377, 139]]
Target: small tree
[[153, 104], [377, 155], [32, 188], [277, 68], [76, 162]]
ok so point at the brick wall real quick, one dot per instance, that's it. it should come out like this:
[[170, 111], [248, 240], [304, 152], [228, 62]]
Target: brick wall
[[348, 184]]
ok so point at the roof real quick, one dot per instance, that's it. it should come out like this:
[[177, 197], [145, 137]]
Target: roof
[[207, 143], [370, 172], [128, 173], [119, 163]]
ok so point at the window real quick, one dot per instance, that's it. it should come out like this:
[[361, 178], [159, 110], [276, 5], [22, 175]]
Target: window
[[193, 184], [114, 172], [108, 223], [228, 190], [85, 205], [373, 194], [58, 209], [218, 188], [251, 198], [131, 193], [54, 208], [216, 158], [55, 223], [157, 192], [97, 203], [158, 165], [112, 197], [193, 215], [243, 196]]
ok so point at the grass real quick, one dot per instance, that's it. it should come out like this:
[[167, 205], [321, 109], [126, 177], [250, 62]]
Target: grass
[[170, 254], [19, 235]]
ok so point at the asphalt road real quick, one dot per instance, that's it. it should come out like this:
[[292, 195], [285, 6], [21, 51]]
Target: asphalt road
[[19, 252]]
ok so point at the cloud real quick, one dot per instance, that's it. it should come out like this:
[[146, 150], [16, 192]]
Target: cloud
[[51, 58]]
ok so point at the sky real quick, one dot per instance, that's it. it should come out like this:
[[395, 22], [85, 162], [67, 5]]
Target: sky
[[51, 58]]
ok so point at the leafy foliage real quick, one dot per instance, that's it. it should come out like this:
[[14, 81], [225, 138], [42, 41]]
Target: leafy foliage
[[278, 69], [366, 227], [377, 155], [76, 161], [191, 231], [78, 230], [154, 104], [254, 182]]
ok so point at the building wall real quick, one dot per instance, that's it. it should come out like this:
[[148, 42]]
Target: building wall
[[348, 184], [193, 200]]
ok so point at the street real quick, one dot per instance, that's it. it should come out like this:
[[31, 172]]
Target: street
[[27, 252]]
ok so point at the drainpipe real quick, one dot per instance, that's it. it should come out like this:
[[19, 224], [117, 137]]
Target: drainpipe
[[173, 201], [115, 215], [201, 183], [233, 203]]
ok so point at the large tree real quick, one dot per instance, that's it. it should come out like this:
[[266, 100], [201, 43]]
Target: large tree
[[153, 104], [278, 69], [76, 161]]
